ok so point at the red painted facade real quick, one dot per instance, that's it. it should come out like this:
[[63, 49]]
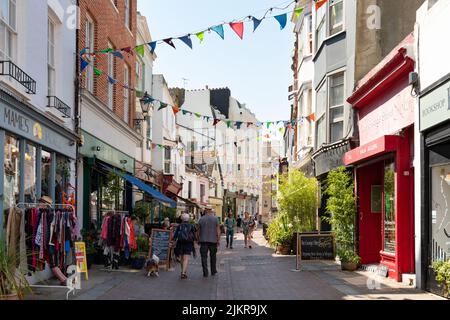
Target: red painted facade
[[384, 176]]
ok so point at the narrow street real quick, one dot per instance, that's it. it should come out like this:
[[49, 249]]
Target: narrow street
[[244, 274]]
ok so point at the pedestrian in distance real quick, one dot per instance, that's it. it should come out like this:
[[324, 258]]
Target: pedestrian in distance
[[239, 224], [230, 224], [247, 227], [209, 238], [185, 236]]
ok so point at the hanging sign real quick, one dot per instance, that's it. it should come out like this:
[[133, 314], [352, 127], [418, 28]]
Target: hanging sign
[[80, 255]]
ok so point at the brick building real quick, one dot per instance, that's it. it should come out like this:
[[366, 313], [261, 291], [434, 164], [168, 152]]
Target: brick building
[[106, 110]]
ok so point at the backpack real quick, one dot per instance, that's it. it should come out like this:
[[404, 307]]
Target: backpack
[[186, 233]]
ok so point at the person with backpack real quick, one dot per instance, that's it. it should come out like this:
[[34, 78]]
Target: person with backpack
[[185, 236], [230, 223]]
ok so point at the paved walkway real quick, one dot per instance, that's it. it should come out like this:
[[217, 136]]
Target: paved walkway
[[248, 274]]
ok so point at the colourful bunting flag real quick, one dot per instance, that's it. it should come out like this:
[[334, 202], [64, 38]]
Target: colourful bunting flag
[[152, 46], [256, 23], [140, 50], [129, 50], [170, 42], [249, 124], [83, 64], [98, 72], [84, 51], [268, 124], [154, 145], [107, 50], [118, 54], [281, 130], [282, 20], [162, 106], [235, 144], [238, 27], [184, 112], [298, 12], [175, 110], [201, 36], [320, 3], [311, 117], [238, 125], [216, 121], [187, 40], [112, 80], [198, 115], [228, 124], [219, 30]]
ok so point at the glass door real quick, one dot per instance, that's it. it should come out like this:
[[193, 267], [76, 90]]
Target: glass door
[[389, 207]]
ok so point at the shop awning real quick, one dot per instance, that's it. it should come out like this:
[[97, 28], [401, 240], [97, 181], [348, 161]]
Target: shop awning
[[158, 196], [373, 149]]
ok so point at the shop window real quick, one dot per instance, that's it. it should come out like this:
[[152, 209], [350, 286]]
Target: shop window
[[112, 192], [440, 214], [12, 159], [62, 178], [389, 207], [46, 162], [30, 173], [8, 29]]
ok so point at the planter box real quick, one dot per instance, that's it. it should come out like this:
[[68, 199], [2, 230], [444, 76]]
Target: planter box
[[284, 250], [348, 266]]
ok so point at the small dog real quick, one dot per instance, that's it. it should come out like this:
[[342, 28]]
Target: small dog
[[153, 267]]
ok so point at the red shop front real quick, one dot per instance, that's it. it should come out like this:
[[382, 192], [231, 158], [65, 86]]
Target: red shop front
[[384, 174]]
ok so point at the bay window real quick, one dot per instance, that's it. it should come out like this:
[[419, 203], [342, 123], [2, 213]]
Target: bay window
[[329, 20], [126, 93], [321, 31], [321, 108], [7, 29], [336, 16]]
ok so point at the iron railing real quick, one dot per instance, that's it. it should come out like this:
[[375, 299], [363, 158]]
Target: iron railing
[[54, 102], [8, 68]]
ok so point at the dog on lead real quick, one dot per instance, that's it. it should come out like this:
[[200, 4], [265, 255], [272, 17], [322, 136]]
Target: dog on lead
[[153, 266]]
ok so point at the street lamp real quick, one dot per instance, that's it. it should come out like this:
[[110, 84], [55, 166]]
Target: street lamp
[[145, 107]]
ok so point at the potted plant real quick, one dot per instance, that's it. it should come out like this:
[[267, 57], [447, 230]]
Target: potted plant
[[13, 283], [442, 271], [341, 209], [139, 257], [280, 233], [349, 260], [90, 239]]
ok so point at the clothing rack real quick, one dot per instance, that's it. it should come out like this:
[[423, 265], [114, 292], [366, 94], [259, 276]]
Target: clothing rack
[[73, 280]]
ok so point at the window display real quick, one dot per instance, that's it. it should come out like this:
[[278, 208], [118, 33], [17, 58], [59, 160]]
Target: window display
[[440, 215], [12, 159], [30, 173], [46, 160]]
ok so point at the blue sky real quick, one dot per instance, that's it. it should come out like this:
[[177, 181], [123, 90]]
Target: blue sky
[[256, 69]]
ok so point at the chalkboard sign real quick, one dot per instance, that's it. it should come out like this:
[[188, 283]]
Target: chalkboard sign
[[317, 247], [160, 245]]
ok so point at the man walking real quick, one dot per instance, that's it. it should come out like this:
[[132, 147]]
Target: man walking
[[230, 223], [209, 237]]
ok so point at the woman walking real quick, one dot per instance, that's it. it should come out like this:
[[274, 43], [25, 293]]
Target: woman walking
[[247, 227], [185, 237]]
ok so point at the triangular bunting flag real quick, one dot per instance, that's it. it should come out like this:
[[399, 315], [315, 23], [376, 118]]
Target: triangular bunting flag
[[84, 51], [107, 50], [268, 124], [249, 124], [320, 3], [298, 12], [229, 124], [175, 110], [152, 46], [187, 40], [98, 72], [83, 64], [219, 30], [170, 42], [112, 80], [162, 106], [129, 49], [238, 125], [198, 115], [311, 117], [118, 54], [256, 23], [201, 36], [140, 50], [184, 112], [282, 20], [153, 145], [235, 144], [216, 121], [281, 130], [238, 27]]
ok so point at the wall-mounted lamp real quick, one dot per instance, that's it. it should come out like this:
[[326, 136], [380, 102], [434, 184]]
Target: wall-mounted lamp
[[145, 107], [97, 148]]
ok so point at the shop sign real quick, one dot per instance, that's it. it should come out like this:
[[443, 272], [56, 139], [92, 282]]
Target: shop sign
[[386, 118], [435, 107], [25, 126], [80, 256], [95, 148], [161, 245], [316, 247]]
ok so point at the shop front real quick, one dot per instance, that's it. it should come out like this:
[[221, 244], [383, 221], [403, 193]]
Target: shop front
[[383, 165], [37, 154], [435, 144]]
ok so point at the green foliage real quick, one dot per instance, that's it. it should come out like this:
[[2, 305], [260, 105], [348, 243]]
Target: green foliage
[[142, 246], [341, 207], [12, 280], [142, 211], [280, 231], [298, 200], [442, 270], [90, 238], [170, 213]]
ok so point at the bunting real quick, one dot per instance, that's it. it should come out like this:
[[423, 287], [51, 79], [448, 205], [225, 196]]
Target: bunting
[[83, 64], [175, 110], [170, 42], [298, 12], [140, 50], [320, 3], [152, 46], [219, 30], [187, 40], [282, 20], [162, 106], [238, 27], [201, 36], [256, 23], [216, 121]]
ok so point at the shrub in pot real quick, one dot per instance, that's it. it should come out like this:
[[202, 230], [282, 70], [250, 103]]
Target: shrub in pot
[[139, 257], [13, 283], [442, 271], [280, 233], [349, 259]]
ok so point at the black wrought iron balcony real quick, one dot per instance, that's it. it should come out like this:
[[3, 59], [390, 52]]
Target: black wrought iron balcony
[[54, 102], [8, 68]]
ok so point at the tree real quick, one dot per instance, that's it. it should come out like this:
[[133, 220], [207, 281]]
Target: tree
[[298, 200], [341, 208]]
